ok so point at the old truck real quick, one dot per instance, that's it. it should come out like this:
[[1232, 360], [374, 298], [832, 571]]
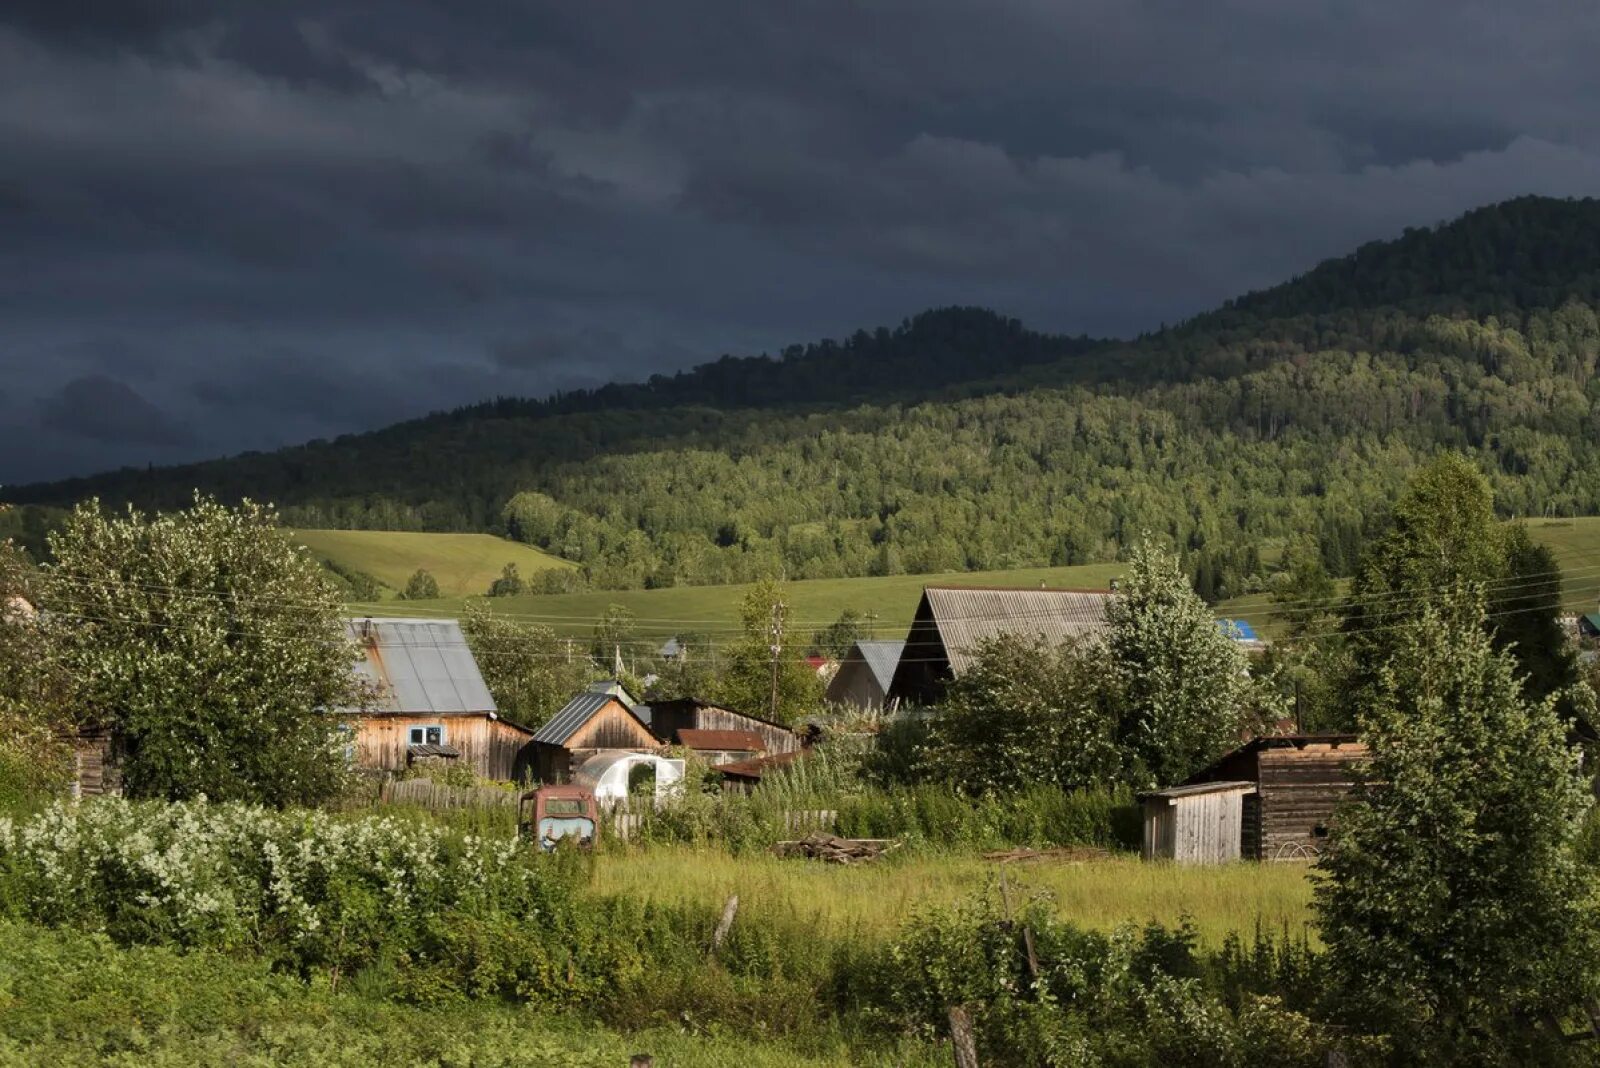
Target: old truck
[[548, 815]]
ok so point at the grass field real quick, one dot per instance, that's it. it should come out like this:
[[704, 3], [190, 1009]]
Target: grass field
[[870, 901], [714, 610], [466, 571], [463, 564]]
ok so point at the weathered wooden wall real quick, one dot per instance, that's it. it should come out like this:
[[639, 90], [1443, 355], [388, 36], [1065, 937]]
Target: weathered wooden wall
[[95, 767], [668, 717], [492, 748], [611, 727], [856, 685], [1198, 829], [1300, 788]]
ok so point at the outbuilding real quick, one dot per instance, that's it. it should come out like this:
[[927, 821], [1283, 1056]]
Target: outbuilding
[[666, 719], [1200, 824], [586, 725], [1299, 781], [865, 673]]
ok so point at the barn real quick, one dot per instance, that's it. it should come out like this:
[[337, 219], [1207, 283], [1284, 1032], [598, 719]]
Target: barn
[[865, 673], [667, 719], [430, 703], [591, 722], [952, 621], [1299, 781], [1200, 824]]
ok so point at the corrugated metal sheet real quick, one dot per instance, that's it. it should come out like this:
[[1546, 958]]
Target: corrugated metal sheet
[[420, 666], [434, 750], [573, 715], [967, 615], [881, 657]]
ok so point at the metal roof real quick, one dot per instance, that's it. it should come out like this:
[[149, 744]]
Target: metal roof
[[967, 615], [574, 714], [1175, 792], [420, 666], [1239, 630], [881, 658], [433, 750]]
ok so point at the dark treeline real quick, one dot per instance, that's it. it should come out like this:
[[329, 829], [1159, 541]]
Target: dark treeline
[[962, 441]]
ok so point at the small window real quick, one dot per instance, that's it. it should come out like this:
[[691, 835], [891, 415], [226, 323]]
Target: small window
[[429, 735]]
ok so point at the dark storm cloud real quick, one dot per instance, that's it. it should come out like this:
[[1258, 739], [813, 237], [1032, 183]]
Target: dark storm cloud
[[301, 219], [101, 408]]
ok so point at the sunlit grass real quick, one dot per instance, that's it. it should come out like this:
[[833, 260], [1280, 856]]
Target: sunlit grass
[[872, 900]]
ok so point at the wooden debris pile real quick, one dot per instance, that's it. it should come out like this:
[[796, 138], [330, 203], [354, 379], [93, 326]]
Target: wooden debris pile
[[1070, 854], [832, 849]]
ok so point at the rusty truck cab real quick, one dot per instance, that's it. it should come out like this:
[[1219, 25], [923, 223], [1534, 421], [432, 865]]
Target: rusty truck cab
[[550, 814]]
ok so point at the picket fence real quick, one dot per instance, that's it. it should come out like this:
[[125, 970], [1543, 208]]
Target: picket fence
[[625, 824], [437, 796]]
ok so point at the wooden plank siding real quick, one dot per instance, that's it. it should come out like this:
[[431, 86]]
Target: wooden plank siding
[[669, 717], [612, 726], [1190, 827], [96, 769], [492, 748], [1300, 782]]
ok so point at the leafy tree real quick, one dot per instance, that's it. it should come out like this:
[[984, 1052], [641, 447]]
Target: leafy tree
[[1023, 713], [422, 586], [1451, 903], [36, 695], [1526, 606], [761, 671], [1180, 685], [614, 635], [211, 644], [1306, 597], [530, 671], [509, 584], [835, 640]]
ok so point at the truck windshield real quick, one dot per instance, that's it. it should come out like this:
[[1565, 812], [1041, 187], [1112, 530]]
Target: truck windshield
[[563, 806]]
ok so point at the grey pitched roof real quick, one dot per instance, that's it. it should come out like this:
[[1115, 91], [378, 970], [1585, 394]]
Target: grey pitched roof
[[573, 715], [966, 615], [419, 666], [881, 657]]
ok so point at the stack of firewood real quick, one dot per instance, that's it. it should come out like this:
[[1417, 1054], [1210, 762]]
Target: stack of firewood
[[832, 849]]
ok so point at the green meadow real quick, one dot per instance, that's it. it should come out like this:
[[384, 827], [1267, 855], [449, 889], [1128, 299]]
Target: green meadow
[[463, 564]]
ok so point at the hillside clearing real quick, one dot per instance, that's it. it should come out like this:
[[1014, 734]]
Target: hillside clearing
[[463, 564]]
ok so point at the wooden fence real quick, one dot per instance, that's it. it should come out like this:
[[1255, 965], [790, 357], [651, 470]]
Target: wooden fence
[[626, 824], [437, 796]]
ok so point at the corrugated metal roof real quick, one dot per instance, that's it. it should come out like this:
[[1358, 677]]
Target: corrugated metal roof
[[714, 739], [1239, 630], [881, 657], [419, 666], [967, 615], [434, 750], [1174, 792], [573, 715]]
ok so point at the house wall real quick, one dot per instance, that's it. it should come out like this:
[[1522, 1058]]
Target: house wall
[[669, 717], [856, 685], [96, 770], [1300, 789], [493, 749]]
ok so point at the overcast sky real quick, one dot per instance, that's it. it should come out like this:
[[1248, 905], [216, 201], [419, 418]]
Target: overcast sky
[[227, 226]]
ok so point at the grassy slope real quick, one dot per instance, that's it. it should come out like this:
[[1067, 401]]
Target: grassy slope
[[814, 602], [463, 564], [870, 901]]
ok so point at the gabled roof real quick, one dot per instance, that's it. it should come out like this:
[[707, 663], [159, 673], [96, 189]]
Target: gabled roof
[[755, 767], [559, 728], [880, 656], [419, 666], [724, 740], [966, 616]]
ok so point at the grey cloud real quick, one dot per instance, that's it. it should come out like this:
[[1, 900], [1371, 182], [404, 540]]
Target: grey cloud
[[307, 217], [104, 409]]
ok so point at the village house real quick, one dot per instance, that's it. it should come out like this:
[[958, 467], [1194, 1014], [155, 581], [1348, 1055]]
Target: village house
[[865, 673], [594, 721], [429, 702], [952, 621], [1297, 781]]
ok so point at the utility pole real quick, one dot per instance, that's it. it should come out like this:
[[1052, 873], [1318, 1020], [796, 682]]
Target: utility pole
[[775, 633]]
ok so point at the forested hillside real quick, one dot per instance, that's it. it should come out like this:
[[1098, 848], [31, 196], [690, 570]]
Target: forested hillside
[[962, 440]]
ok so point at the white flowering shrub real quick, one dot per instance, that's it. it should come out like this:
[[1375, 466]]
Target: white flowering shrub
[[303, 887]]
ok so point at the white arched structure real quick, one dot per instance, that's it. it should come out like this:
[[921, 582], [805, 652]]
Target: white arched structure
[[606, 773]]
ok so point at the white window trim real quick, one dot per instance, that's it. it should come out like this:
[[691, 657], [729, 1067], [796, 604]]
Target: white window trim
[[444, 738]]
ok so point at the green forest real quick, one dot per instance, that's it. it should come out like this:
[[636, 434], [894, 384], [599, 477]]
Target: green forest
[[961, 440]]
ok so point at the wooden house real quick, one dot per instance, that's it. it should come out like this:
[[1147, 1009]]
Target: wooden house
[[667, 718], [429, 702], [588, 724], [1200, 824], [865, 674], [952, 621], [1299, 781]]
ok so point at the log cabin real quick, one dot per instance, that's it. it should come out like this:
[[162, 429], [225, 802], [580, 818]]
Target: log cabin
[[1299, 780]]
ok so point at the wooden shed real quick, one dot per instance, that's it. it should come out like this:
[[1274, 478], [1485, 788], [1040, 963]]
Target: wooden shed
[[667, 718], [1299, 781], [586, 725], [865, 673], [1198, 824]]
